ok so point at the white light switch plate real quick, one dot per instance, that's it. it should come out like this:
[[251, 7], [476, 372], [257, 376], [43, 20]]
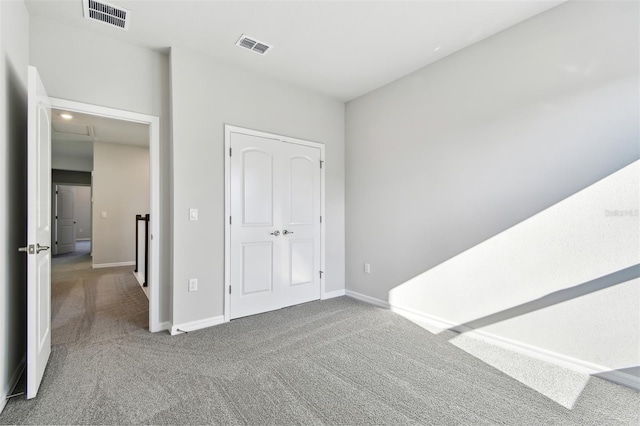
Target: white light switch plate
[[367, 268], [193, 214], [104, 215], [193, 284]]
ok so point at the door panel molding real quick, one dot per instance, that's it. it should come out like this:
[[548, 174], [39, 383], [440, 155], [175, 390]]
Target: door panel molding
[[229, 130]]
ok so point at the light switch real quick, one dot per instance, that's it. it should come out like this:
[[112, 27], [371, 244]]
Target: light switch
[[193, 214], [193, 284], [367, 268], [104, 215]]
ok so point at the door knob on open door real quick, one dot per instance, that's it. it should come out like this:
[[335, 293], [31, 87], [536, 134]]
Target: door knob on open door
[[285, 232], [41, 248], [276, 233]]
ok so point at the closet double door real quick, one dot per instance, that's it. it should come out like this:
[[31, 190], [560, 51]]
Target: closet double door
[[275, 230]]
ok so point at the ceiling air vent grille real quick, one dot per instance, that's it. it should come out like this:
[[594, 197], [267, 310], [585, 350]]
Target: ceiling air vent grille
[[106, 13], [253, 45]]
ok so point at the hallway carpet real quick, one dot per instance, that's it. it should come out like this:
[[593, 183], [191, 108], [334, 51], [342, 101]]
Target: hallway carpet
[[332, 362]]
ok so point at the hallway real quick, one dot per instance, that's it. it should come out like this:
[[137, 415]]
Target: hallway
[[93, 305]]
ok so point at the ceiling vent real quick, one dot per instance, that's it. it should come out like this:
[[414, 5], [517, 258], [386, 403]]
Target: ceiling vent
[[106, 13], [253, 45]]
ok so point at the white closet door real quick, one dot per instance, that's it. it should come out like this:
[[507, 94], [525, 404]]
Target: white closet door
[[275, 187], [301, 224]]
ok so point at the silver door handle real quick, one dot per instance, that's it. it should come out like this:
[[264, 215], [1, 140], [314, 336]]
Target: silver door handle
[[31, 249], [285, 232], [276, 233], [41, 248]]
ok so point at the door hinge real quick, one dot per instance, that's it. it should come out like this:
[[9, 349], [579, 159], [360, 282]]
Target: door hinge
[[321, 272], [230, 152], [320, 219], [229, 289], [56, 217], [321, 163], [230, 220]]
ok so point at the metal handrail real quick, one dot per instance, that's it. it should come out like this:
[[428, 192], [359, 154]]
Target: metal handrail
[[140, 217]]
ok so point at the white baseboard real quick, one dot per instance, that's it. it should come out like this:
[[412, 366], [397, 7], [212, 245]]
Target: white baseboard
[[555, 358], [138, 277], [163, 326], [196, 325], [83, 239], [332, 294], [368, 299], [13, 381], [113, 265]]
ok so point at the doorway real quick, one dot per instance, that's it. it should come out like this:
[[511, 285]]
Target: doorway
[[71, 211], [274, 236], [151, 130]]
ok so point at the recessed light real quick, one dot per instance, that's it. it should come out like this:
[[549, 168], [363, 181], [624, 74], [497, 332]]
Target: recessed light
[[66, 116]]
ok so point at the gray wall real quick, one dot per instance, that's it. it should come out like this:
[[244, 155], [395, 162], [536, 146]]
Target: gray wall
[[82, 212], [70, 177], [71, 163], [205, 96], [458, 152], [121, 189], [71, 62], [14, 58]]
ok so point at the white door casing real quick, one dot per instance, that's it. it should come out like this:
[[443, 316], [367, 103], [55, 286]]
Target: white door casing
[[38, 231], [274, 238], [65, 226], [155, 321]]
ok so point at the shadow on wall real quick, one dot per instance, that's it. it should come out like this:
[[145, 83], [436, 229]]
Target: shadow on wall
[[563, 284], [16, 209]]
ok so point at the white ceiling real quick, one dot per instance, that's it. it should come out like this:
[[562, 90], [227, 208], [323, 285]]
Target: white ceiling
[[75, 137], [340, 48]]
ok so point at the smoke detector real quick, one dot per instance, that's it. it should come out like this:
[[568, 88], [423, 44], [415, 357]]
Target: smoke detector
[[106, 13], [253, 45]]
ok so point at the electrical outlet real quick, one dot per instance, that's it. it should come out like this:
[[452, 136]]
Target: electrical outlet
[[193, 284], [193, 214], [367, 268], [104, 215]]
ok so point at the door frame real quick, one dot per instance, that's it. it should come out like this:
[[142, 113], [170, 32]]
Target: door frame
[[154, 188], [54, 227], [228, 129]]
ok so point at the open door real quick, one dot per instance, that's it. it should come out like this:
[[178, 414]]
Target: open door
[[65, 220], [38, 232]]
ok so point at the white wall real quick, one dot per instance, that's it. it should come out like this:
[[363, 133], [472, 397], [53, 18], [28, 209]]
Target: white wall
[[71, 163], [121, 190], [82, 212], [72, 61], [457, 152], [205, 96], [14, 58]]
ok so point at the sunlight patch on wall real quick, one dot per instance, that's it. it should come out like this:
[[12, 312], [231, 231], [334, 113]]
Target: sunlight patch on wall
[[563, 281]]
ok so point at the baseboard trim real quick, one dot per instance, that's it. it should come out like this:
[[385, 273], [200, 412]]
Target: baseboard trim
[[368, 299], [196, 325], [13, 382], [332, 294], [535, 352], [83, 239], [162, 327], [113, 265]]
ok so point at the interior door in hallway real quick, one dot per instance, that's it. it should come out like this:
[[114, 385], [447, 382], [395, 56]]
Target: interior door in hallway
[[275, 224], [38, 231], [65, 232]]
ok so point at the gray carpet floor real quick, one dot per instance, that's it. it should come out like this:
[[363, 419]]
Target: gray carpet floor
[[331, 362]]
